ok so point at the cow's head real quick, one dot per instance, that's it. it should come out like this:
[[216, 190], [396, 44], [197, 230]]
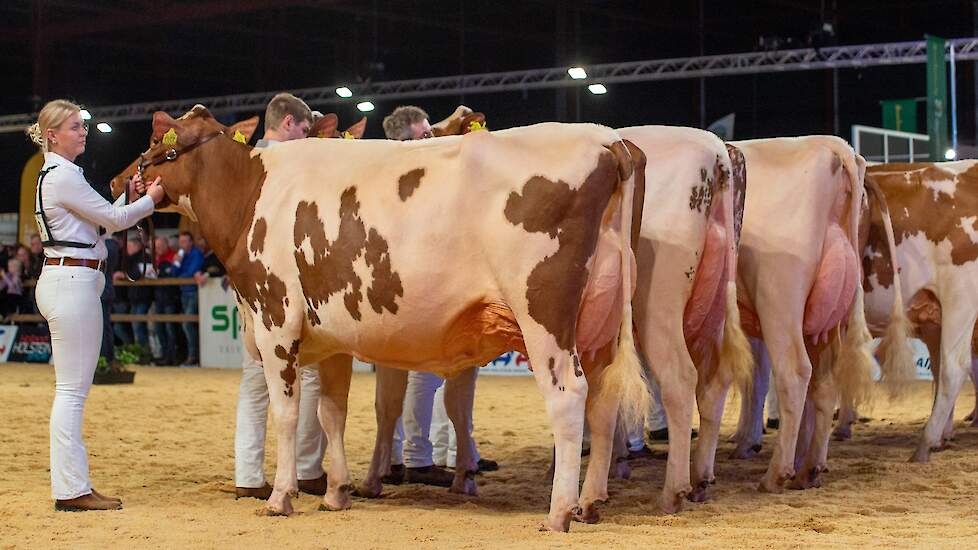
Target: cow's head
[[326, 127], [461, 122], [176, 153]]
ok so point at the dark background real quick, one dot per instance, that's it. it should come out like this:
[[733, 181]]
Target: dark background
[[102, 53]]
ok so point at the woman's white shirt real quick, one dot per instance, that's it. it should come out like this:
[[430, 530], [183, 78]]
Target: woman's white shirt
[[75, 211]]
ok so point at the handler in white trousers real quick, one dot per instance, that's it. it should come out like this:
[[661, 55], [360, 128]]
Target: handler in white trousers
[[73, 220], [286, 118]]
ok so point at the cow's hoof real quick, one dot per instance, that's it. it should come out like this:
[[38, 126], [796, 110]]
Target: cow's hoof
[[337, 500], [368, 490], [773, 486], [842, 434], [621, 470], [746, 453], [560, 523], [699, 494], [464, 485], [921, 455], [672, 503], [588, 513]]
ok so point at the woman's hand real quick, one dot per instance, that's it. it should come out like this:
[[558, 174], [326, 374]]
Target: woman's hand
[[155, 190]]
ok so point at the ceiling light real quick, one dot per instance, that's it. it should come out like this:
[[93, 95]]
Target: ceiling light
[[104, 127], [950, 154], [343, 91], [365, 106], [85, 114], [597, 89], [577, 73]]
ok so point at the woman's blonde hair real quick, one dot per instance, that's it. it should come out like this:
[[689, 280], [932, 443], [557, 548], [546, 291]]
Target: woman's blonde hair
[[54, 113]]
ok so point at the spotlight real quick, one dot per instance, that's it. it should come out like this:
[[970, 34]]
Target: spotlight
[[85, 114], [104, 127], [597, 89], [365, 106], [343, 91], [577, 73]]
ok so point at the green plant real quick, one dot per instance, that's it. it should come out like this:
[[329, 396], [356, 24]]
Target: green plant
[[103, 365], [134, 354]]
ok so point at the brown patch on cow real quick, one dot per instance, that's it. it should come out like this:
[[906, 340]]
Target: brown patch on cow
[[701, 196], [386, 285], [555, 285], [330, 270], [738, 179], [288, 373], [407, 183], [480, 331], [623, 159], [258, 236], [261, 290], [917, 209], [872, 239], [553, 371]]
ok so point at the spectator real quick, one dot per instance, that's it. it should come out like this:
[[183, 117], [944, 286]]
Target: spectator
[[107, 299], [213, 267], [11, 288], [37, 257], [138, 266], [190, 262], [120, 304], [167, 301]]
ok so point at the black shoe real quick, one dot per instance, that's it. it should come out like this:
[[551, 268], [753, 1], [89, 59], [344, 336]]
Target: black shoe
[[429, 475], [773, 423], [396, 477], [486, 465], [663, 434]]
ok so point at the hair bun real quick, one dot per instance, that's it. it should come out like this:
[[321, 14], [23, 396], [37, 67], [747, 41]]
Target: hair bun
[[34, 131]]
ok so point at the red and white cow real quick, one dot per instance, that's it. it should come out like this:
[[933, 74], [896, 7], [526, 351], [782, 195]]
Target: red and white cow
[[934, 211], [686, 299], [799, 289], [431, 255]]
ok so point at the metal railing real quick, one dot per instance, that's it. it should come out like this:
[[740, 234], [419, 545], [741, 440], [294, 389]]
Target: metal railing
[[909, 153]]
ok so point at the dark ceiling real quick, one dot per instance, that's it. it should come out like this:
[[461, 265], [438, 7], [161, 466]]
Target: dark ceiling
[[110, 52]]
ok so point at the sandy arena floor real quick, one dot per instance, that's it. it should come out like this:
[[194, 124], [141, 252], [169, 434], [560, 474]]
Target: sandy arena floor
[[165, 445]]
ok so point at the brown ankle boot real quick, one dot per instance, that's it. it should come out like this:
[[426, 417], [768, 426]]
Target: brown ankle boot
[[313, 486], [105, 498], [261, 493], [86, 503]]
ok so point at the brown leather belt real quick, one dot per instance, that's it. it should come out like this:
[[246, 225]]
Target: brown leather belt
[[76, 262]]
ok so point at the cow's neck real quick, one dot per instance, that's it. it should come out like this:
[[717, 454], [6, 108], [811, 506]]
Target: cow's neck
[[224, 196]]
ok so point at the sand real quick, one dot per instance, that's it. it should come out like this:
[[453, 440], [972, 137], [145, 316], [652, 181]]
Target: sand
[[165, 445]]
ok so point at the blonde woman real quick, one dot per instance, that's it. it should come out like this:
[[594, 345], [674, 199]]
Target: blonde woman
[[72, 218]]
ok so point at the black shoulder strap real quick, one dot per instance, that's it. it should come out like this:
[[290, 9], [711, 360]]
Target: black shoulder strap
[[47, 239]]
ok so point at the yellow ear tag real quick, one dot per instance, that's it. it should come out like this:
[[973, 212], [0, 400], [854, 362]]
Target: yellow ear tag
[[476, 126], [348, 135], [239, 137], [170, 137]]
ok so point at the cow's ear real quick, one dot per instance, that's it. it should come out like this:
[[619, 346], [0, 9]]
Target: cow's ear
[[162, 123], [357, 129], [243, 130], [324, 127]]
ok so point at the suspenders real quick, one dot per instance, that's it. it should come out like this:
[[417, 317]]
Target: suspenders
[[47, 238]]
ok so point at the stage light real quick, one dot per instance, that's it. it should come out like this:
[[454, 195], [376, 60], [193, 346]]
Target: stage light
[[365, 106], [104, 127], [577, 73], [343, 91], [85, 114], [950, 154], [597, 89]]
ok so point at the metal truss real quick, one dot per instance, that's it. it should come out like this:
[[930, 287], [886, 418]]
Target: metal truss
[[838, 57]]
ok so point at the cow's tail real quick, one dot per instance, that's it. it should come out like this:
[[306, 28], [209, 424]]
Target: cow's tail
[[736, 358], [853, 368], [625, 377], [897, 368]]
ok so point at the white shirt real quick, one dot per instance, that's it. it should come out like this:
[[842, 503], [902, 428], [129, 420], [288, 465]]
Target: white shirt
[[75, 211]]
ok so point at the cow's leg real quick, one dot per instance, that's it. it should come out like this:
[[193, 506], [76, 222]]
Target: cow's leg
[[792, 370], [820, 406], [602, 420], [956, 326], [388, 404], [973, 416], [561, 381], [750, 431], [334, 376], [459, 400], [711, 394], [282, 376]]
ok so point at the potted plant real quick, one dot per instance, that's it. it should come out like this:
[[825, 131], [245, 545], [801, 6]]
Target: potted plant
[[115, 371]]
